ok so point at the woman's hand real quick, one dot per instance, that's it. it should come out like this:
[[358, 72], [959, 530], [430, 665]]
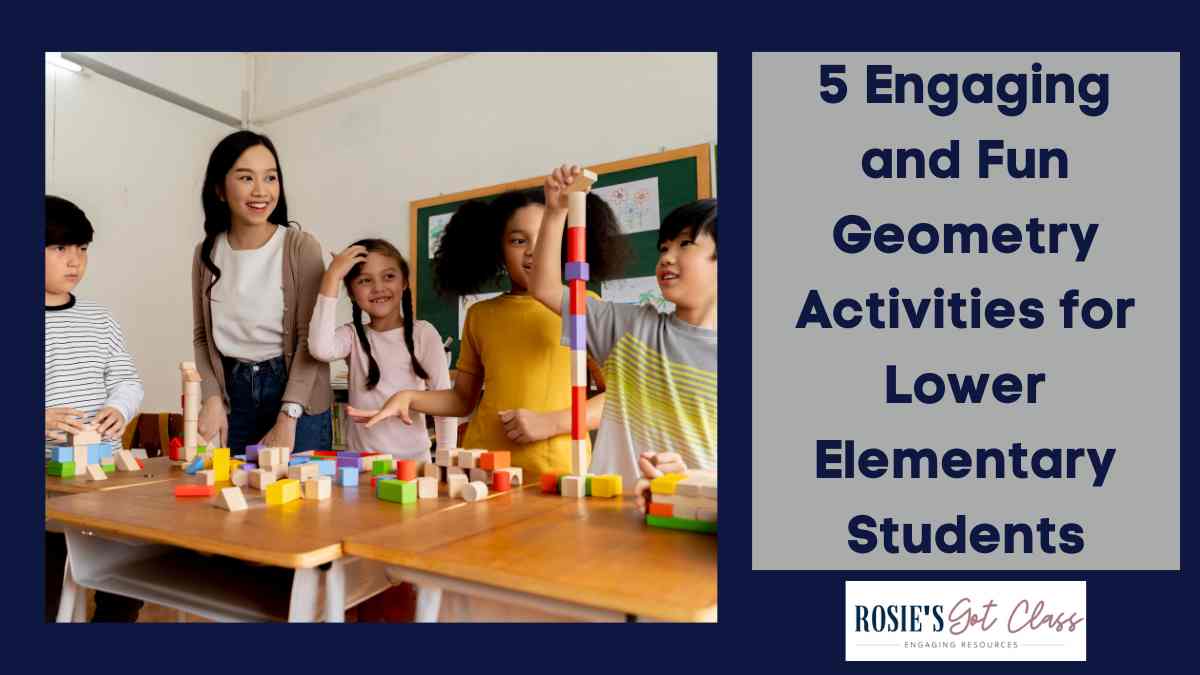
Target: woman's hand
[[213, 423], [283, 434]]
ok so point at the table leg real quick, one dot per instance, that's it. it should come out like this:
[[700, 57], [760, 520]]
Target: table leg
[[304, 596], [429, 604], [335, 593], [70, 596]]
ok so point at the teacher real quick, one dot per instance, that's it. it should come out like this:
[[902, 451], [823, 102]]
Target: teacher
[[254, 285]]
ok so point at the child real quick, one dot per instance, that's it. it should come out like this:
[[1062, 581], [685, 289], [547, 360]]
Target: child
[[392, 353], [90, 377], [510, 344], [661, 369]]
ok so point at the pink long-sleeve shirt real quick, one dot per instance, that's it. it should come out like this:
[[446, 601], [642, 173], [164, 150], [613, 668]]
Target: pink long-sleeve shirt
[[329, 342]]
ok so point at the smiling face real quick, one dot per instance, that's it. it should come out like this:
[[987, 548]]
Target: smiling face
[[520, 237], [378, 288], [687, 269], [251, 187], [65, 265]]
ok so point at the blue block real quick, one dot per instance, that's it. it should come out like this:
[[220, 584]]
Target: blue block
[[349, 477], [326, 467], [196, 465], [577, 270], [576, 331], [94, 453], [299, 459], [106, 450], [64, 453]]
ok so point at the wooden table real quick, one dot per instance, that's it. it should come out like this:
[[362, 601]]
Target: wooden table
[[144, 542], [117, 480], [592, 558]]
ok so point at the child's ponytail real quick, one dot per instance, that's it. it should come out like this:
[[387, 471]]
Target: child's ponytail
[[372, 365], [407, 310]]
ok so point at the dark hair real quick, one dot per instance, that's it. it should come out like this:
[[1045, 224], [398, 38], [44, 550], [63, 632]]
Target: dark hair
[[698, 217], [469, 255], [216, 211], [66, 225], [384, 247]]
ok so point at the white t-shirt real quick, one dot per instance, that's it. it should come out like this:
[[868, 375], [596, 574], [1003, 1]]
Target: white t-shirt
[[247, 301]]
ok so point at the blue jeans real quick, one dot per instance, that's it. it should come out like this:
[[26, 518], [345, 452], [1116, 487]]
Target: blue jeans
[[255, 396]]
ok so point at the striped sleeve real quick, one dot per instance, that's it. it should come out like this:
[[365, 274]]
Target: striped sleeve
[[121, 379]]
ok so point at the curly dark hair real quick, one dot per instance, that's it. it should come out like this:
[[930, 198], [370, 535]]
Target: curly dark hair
[[469, 255]]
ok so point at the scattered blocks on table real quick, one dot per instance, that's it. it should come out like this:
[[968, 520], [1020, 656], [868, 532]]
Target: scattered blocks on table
[[446, 456], [348, 476], [574, 486], [427, 488], [549, 483], [303, 472], [684, 502], [261, 479], [283, 491], [497, 459], [474, 491], [318, 488], [94, 472], [267, 458], [455, 482], [399, 491], [232, 499], [194, 491]]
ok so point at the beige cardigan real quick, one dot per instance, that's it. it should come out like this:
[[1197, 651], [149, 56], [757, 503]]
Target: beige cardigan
[[308, 379]]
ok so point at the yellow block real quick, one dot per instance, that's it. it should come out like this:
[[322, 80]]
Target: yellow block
[[283, 491], [608, 485], [665, 484]]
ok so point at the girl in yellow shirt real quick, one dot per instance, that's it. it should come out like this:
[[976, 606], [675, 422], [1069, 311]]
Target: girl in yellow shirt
[[510, 347]]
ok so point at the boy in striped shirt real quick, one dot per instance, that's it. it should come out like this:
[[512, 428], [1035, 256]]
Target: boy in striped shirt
[[90, 376]]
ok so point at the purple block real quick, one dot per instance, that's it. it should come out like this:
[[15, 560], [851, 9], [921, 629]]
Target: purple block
[[576, 331], [349, 463], [250, 467], [577, 270], [347, 453], [252, 452]]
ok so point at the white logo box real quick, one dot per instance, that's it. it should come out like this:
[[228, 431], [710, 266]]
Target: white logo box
[[879, 621]]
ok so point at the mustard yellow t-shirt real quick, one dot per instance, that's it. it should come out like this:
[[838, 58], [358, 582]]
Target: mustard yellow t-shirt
[[512, 342]]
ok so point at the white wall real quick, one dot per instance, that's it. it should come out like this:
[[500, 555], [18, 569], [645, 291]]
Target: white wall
[[135, 165], [212, 78], [284, 80], [352, 167]]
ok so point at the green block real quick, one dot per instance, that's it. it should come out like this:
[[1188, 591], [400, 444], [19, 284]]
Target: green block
[[201, 449], [587, 486], [682, 524], [381, 466], [60, 469], [108, 468], [399, 491]]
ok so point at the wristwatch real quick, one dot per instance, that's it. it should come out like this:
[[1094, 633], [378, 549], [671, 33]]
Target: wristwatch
[[293, 410]]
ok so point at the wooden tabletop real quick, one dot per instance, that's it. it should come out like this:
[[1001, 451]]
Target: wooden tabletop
[[118, 480], [594, 552], [302, 533]]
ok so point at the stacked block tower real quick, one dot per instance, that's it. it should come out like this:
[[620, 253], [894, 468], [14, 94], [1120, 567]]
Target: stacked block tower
[[576, 318], [191, 409], [682, 502]]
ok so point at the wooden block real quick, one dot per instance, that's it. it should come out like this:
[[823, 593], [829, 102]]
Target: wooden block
[[682, 524], [455, 471], [709, 491], [608, 485], [688, 502], [83, 438], [283, 491], [469, 459], [447, 456], [399, 491], [318, 488], [431, 470], [61, 469], [685, 511], [125, 461], [348, 476], [381, 466], [549, 483], [81, 469], [303, 472], [583, 182], [267, 457], [692, 485], [474, 491], [427, 488], [665, 484], [501, 480], [63, 453], [285, 455], [240, 478], [208, 476], [232, 499], [455, 482], [94, 472], [516, 475], [574, 486], [108, 468], [480, 475], [194, 491], [326, 467], [80, 456], [660, 509], [261, 479], [406, 469], [497, 459], [706, 515], [579, 453]]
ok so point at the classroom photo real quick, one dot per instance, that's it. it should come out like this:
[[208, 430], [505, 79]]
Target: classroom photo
[[380, 337]]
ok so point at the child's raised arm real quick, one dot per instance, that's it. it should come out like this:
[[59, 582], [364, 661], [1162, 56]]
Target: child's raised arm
[[546, 281], [325, 342]]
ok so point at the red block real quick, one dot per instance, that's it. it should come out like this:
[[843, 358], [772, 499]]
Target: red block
[[579, 430], [662, 510], [490, 461], [578, 299], [194, 490], [549, 483], [501, 481], [140, 465], [406, 469], [576, 244]]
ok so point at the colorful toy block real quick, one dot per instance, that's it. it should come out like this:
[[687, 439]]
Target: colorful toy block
[[348, 476], [208, 476], [474, 491], [195, 465], [108, 468], [665, 484], [427, 488], [125, 461], [515, 475], [220, 463], [61, 469], [431, 470], [326, 467], [661, 510], [447, 456], [283, 491], [303, 472], [480, 475], [406, 469], [80, 457], [63, 453], [83, 438], [381, 466], [549, 483], [399, 491], [573, 486], [383, 476], [681, 524], [469, 459], [94, 472], [261, 479], [318, 488], [684, 502], [587, 485], [240, 478], [299, 459], [232, 499], [608, 485], [194, 491], [252, 452], [501, 480], [577, 270], [455, 482], [106, 450], [498, 459]]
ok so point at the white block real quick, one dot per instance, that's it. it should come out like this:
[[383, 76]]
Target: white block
[[427, 488], [474, 491], [482, 476], [232, 499], [706, 515], [574, 486], [240, 477], [579, 371], [447, 456], [455, 482]]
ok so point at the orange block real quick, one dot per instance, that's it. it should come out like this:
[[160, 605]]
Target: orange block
[[406, 469], [662, 510], [500, 459], [501, 480], [578, 295], [549, 483], [194, 491]]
